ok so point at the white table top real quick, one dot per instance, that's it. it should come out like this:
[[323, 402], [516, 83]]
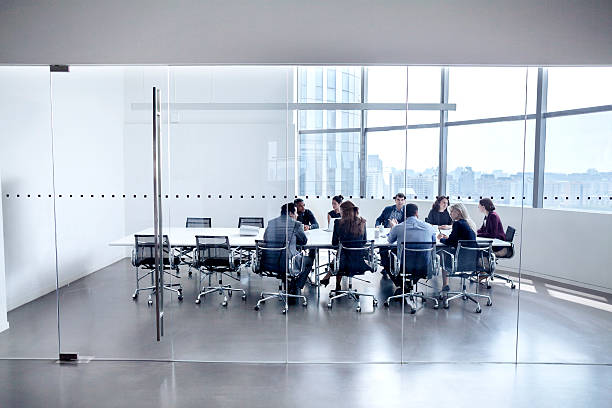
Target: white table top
[[318, 238]]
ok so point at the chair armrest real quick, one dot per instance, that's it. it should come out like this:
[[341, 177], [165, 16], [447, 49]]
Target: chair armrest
[[452, 259], [394, 263], [133, 256]]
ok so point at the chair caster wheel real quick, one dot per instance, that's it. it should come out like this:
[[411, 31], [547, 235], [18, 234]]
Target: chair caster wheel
[[150, 302], [464, 297], [135, 296], [412, 311], [180, 298], [489, 303], [329, 305], [244, 297], [488, 286], [197, 301], [256, 307], [386, 304], [190, 273], [478, 310], [284, 311], [513, 286], [375, 303], [423, 301], [445, 306], [224, 304], [304, 303], [358, 309], [436, 307]]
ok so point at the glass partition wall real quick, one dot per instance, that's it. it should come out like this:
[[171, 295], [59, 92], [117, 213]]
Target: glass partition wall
[[77, 185]]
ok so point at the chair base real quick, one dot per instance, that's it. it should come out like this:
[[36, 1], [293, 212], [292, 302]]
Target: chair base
[[352, 294], [221, 289], [281, 295], [506, 279], [173, 287], [412, 296], [465, 295]]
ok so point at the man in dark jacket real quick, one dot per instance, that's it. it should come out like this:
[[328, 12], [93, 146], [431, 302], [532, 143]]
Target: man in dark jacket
[[306, 217], [389, 218]]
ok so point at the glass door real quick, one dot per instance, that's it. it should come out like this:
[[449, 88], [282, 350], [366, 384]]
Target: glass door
[[109, 180]]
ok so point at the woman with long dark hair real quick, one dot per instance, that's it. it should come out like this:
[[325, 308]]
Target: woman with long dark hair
[[350, 227], [439, 213], [335, 212]]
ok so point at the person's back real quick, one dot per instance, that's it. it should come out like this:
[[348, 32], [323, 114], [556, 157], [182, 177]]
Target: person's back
[[283, 231]]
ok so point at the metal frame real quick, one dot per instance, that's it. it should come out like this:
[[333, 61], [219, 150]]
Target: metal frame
[[443, 147], [157, 215], [540, 139]]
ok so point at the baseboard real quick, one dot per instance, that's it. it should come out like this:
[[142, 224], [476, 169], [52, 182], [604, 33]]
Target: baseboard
[[527, 273], [4, 325]]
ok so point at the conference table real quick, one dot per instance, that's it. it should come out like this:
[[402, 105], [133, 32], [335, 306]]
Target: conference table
[[182, 237]]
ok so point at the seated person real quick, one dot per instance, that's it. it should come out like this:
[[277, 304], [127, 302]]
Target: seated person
[[285, 230], [390, 217], [335, 212], [306, 217], [411, 230], [438, 215], [463, 229], [491, 225], [350, 229]]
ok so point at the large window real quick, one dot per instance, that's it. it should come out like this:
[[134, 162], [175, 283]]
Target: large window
[[490, 134]]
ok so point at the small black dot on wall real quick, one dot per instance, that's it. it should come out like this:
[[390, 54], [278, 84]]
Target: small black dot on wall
[[49, 195], [567, 198], [307, 197], [371, 197], [102, 195], [177, 196], [317, 196], [523, 198], [285, 196], [241, 196], [491, 197], [556, 198], [198, 196], [166, 196], [83, 196], [415, 197], [7, 196], [546, 198], [263, 196], [426, 197], [350, 196], [60, 196], [252, 196], [360, 196], [513, 198], [29, 196], [220, 196], [230, 196], [39, 196], [145, 196], [328, 197], [18, 196], [123, 196], [383, 197], [187, 195], [480, 197], [135, 196], [458, 197], [600, 198], [70, 195], [272, 196], [501, 198], [577, 198], [588, 198], [209, 196]]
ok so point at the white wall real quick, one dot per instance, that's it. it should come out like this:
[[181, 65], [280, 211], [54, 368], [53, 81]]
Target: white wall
[[306, 32], [4, 324]]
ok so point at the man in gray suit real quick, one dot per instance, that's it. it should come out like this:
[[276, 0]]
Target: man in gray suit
[[285, 229]]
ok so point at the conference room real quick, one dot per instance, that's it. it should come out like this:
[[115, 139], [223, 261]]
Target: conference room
[[136, 202]]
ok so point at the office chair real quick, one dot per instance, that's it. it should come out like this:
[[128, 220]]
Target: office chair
[[143, 256], [353, 258], [510, 232], [271, 260], [245, 255], [186, 254], [419, 260], [252, 221], [471, 259], [194, 222], [213, 255]]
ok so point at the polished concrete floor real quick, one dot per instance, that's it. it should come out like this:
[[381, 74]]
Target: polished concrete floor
[[558, 324], [48, 384]]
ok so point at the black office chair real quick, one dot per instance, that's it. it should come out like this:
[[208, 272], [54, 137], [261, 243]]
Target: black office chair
[[251, 221], [271, 260], [471, 259], [353, 258], [419, 261], [143, 256], [194, 222], [506, 253], [186, 254], [213, 255]]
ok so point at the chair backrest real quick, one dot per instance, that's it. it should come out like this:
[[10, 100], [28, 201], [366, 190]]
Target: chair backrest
[[474, 256], [144, 249], [194, 222], [417, 259], [252, 221], [355, 257], [213, 252], [271, 258], [510, 233]]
